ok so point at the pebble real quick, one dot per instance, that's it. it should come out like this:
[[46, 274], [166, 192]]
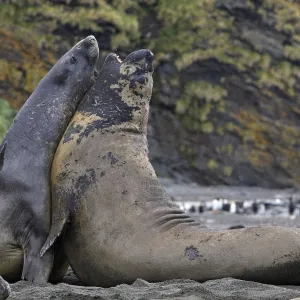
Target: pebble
[[4, 289]]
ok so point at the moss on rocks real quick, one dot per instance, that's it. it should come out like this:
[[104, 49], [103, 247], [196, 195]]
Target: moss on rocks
[[228, 70], [196, 103]]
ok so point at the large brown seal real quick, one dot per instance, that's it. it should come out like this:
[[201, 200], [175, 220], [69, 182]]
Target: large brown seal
[[123, 225], [25, 163]]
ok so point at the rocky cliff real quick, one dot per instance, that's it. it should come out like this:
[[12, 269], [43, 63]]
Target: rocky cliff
[[225, 108]]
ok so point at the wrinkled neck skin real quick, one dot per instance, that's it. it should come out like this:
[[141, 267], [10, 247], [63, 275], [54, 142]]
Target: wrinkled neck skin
[[110, 133]]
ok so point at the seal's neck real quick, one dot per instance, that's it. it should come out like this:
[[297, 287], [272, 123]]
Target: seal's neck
[[115, 109], [132, 120]]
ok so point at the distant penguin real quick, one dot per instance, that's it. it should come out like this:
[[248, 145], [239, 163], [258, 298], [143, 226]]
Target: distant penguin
[[232, 207], [262, 208], [192, 209], [220, 203], [215, 205], [254, 207], [226, 205], [201, 208], [291, 206]]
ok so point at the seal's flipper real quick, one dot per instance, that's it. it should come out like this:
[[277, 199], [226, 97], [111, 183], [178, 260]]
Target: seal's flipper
[[60, 217], [56, 230], [36, 269], [2, 153]]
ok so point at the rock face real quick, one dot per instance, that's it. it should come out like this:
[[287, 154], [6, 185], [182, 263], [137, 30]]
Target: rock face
[[223, 289], [225, 109]]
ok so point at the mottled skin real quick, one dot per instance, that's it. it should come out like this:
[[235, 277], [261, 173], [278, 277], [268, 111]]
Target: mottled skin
[[25, 163], [122, 224]]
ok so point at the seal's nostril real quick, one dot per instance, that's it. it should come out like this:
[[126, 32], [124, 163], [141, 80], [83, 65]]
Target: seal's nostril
[[92, 40]]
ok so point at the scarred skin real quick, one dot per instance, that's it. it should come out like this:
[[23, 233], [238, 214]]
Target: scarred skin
[[26, 155], [121, 224]]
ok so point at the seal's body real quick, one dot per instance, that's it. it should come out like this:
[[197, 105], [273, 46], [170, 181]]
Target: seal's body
[[25, 162], [123, 225]]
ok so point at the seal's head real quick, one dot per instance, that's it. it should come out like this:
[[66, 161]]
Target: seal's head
[[129, 82], [75, 70], [119, 100], [132, 76], [127, 87]]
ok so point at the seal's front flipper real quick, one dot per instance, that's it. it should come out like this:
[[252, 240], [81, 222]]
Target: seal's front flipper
[[60, 217], [2, 152], [35, 268], [55, 231]]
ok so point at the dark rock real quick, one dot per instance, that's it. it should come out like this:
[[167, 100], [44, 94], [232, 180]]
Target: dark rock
[[236, 227]]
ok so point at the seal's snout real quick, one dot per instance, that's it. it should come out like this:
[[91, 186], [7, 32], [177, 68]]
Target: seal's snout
[[91, 40], [143, 57], [90, 43], [87, 42], [149, 56], [149, 61], [139, 55]]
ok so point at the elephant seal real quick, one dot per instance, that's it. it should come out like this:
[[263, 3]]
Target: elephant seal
[[25, 161], [119, 224], [4, 289]]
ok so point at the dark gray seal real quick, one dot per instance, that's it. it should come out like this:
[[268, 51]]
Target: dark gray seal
[[123, 225], [25, 162]]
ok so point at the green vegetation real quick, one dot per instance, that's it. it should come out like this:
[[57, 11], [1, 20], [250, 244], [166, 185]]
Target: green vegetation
[[212, 164], [263, 62], [196, 103], [195, 31], [7, 115], [35, 31], [227, 171]]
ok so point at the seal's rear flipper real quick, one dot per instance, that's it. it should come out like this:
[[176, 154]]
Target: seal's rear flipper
[[2, 152]]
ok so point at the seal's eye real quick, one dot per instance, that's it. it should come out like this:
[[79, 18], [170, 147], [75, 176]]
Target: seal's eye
[[73, 60]]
